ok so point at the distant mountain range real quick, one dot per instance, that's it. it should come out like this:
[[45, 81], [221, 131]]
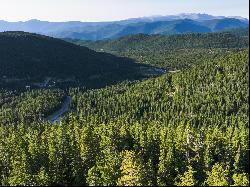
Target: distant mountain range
[[173, 24], [192, 16]]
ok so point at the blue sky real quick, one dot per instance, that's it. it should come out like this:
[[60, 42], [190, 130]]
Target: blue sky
[[108, 10]]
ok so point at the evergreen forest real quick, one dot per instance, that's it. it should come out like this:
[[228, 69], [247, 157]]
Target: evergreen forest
[[185, 126]]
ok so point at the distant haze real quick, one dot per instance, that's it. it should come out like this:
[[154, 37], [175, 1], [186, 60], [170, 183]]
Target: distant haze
[[110, 10], [166, 25]]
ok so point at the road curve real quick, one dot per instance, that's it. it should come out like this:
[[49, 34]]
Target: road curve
[[56, 116]]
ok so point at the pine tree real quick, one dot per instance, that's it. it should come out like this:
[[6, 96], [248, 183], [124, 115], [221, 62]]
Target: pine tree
[[133, 172], [187, 179], [241, 179], [219, 176]]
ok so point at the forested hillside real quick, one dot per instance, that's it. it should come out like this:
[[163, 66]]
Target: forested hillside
[[156, 42], [27, 107], [184, 128], [27, 57], [172, 52]]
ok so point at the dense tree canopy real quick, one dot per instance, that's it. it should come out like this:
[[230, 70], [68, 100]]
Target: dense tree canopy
[[182, 128], [172, 52], [27, 57]]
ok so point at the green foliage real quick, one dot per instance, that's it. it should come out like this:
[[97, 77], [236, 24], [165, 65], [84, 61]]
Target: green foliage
[[43, 178], [219, 176], [29, 106], [241, 179], [133, 172], [143, 42], [28, 58], [175, 52], [187, 179], [148, 132], [94, 177]]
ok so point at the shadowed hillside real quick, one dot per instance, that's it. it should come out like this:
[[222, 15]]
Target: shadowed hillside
[[26, 56]]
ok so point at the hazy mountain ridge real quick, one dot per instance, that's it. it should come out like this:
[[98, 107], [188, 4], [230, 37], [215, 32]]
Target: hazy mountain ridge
[[159, 27], [175, 24]]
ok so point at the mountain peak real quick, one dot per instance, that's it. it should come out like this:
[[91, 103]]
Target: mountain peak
[[34, 20]]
